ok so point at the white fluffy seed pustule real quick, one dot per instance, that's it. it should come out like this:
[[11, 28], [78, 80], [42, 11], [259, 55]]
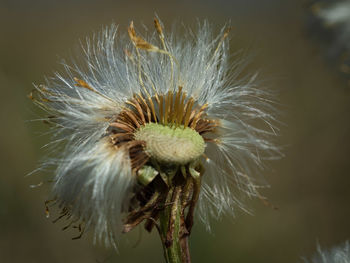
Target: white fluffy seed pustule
[[338, 254], [94, 184], [94, 178]]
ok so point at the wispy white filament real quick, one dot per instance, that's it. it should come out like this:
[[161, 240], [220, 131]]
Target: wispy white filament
[[95, 180]]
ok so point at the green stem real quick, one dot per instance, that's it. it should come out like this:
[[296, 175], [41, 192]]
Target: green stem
[[172, 229]]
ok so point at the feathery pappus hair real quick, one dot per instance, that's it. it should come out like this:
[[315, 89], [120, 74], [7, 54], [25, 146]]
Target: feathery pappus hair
[[141, 114], [338, 254]]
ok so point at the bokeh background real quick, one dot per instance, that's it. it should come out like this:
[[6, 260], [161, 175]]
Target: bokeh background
[[310, 185]]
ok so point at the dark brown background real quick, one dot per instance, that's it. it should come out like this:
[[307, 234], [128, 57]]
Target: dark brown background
[[310, 185]]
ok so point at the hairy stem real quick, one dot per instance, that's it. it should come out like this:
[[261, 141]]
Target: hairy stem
[[173, 230]]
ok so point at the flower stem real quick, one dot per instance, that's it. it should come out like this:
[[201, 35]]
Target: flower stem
[[172, 230]]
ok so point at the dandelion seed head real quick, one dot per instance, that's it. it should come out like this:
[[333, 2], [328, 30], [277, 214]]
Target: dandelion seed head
[[140, 112]]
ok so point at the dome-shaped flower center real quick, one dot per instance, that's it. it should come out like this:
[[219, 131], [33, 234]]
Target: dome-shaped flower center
[[167, 144]]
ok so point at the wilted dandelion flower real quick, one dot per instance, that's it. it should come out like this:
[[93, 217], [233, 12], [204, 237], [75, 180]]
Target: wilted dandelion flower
[[339, 254], [143, 126]]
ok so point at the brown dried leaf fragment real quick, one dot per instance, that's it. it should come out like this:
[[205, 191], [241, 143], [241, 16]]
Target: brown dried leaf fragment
[[158, 27], [83, 84], [138, 41]]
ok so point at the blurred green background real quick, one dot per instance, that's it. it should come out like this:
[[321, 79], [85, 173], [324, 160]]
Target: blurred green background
[[310, 185]]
